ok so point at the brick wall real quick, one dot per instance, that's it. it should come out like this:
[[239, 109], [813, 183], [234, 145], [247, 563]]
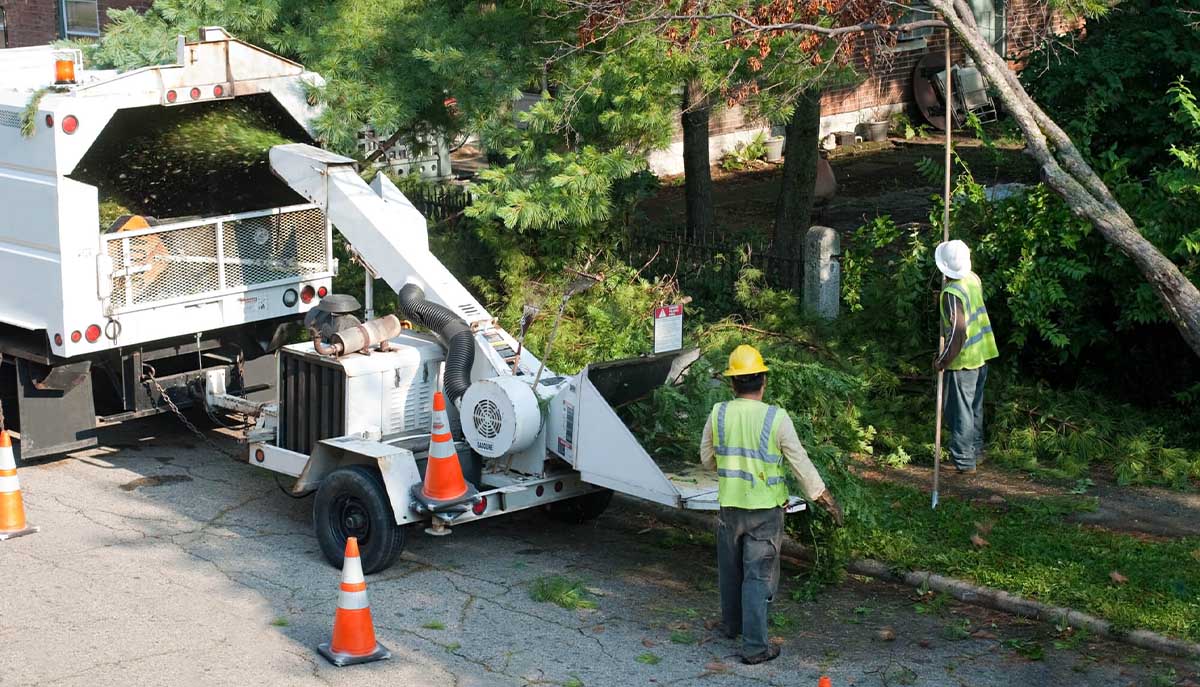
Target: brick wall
[[888, 82], [36, 22]]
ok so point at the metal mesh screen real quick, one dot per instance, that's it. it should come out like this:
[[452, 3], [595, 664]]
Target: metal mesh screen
[[181, 262], [265, 249]]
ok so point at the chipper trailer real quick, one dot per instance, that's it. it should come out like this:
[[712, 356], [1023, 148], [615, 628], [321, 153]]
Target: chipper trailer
[[351, 416]]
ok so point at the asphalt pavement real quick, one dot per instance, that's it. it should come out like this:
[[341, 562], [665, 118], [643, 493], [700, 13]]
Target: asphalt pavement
[[161, 561]]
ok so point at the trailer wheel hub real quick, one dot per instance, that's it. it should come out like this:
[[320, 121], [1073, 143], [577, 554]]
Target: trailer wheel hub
[[352, 518]]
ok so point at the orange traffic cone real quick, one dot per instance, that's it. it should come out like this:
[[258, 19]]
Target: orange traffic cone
[[353, 632], [443, 473], [12, 506], [824, 682]]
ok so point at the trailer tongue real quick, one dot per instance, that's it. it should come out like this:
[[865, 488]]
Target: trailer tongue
[[354, 425]]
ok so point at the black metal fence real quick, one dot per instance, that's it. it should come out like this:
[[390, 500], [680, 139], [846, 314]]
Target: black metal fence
[[441, 202], [714, 256]]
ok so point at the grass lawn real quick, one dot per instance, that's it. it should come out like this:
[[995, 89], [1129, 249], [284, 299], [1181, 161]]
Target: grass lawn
[[1029, 548]]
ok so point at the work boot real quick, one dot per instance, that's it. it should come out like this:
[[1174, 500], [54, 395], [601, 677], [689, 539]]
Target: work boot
[[726, 632], [770, 654]]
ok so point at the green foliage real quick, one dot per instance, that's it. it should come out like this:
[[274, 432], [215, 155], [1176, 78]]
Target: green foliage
[[29, 114], [1184, 176], [212, 146], [553, 205], [561, 591], [745, 154], [1109, 91], [390, 64], [1036, 553], [902, 125]]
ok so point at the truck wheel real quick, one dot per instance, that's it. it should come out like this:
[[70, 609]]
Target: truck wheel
[[580, 508], [352, 502]]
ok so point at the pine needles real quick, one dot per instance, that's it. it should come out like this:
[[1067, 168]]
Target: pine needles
[[29, 114], [192, 160]]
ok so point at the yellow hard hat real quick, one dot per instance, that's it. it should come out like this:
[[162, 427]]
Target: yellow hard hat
[[745, 360]]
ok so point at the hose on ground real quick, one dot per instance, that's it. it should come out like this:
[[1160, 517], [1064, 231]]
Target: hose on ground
[[455, 333]]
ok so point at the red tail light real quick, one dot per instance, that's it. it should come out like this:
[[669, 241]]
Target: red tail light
[[195, 93], [480, 506], [70, 124], [76, 336], [322, 292], [172, 96], [92, 333], [58, 339], [218, 91], [49, 121], [307, 293]]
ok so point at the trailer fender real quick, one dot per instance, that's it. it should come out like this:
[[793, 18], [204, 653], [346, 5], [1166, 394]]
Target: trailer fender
[[397, 465]]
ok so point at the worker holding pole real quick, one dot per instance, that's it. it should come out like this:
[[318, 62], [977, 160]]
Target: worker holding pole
[[747, 441], [968, 345]]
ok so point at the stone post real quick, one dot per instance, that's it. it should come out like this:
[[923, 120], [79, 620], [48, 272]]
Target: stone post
[[822, 272]]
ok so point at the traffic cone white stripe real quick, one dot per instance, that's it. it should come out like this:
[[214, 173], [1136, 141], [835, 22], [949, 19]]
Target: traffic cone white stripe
[[352, 570], [9, 484], [7, 460], [352, 601], [442, 449]]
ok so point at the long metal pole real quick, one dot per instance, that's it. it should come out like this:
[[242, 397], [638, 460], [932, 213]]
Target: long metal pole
[[369, 292], [941, 375]]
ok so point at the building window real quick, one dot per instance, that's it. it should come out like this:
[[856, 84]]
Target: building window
[[917, 39], [990, 18], [80, 18]]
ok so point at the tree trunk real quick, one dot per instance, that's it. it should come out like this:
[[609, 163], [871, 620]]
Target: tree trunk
[[1071, 177], [696, 171], [797, 190]]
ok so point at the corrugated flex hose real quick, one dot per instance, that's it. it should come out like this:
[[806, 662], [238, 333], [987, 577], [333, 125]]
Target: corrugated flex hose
[[455, 333]]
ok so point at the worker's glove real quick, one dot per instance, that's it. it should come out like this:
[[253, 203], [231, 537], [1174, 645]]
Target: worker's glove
[[826, 501]]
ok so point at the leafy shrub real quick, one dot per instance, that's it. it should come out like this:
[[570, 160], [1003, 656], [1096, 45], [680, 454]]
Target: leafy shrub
[[1109, 92], [745, 154]]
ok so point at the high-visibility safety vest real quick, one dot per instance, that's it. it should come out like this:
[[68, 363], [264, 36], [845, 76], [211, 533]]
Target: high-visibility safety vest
[[750, 464], [980, 345]]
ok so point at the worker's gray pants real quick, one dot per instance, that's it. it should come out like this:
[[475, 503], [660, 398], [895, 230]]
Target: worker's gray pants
[[964, 415], [748, 544]]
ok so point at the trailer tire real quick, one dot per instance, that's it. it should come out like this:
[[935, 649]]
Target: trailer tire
[[580, 509], [352, 501]]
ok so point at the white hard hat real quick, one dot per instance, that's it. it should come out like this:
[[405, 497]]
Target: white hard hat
[[953, 258]]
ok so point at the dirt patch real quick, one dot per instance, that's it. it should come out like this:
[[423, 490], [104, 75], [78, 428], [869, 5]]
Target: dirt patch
[[154, 481], [876, 179]]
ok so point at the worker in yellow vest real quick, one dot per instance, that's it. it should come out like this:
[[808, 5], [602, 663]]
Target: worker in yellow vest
[[747, 441], [969, 345]]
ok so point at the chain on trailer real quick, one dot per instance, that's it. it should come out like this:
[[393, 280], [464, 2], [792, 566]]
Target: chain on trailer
[[150, 375], [178, 413]]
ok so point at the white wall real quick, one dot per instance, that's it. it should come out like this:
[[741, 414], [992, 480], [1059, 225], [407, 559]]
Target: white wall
[[669, 161]]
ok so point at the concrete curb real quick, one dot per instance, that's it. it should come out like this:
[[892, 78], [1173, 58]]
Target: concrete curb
[[965, 592]]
